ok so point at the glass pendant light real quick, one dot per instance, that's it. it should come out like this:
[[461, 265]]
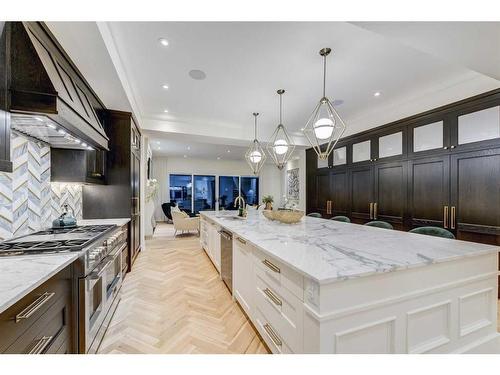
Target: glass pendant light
[[325, 126], [280, 147], [255, 155]]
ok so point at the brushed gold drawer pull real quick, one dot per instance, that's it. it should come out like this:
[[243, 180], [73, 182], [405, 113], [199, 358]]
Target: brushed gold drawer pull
[[453, 218], [371, 210], [34, 306], [445, 217], [273, 297], [41, 344], [241, 241], [272, 335], [271, 266], [375, 211]]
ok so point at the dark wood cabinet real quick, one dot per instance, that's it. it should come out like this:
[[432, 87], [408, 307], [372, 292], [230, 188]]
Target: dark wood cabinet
[[43, 321], [120, 196], [69, 165], [321, 192], [339, 192], [5, 163], [429, 192], [475, 196], [361, 193], [390, 185]]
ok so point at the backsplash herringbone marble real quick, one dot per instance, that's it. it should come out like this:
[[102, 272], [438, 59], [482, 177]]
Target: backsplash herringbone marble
[[28, 200]]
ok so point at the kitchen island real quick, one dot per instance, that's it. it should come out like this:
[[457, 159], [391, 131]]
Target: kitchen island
[[321, 286]]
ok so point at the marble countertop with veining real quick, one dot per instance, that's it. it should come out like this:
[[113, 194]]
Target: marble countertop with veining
[[19, 275], [329, 251]]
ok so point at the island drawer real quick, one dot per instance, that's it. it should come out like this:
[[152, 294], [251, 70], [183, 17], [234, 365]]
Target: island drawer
[[282, 310], [48, 333], [278, 273], [20, 319], [269, 334]]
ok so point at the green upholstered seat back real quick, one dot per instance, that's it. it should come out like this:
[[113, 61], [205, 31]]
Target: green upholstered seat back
[[433, 231], [379, 224], [343, 219]]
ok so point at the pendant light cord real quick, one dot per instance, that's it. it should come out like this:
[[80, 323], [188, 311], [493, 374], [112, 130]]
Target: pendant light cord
[[281, 108], [324, 76], [255, 128]]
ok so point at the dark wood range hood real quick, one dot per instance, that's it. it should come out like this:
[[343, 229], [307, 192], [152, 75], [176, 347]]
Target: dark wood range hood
[[43, 84]]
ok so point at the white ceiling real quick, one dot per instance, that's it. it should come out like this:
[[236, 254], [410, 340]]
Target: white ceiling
[[416, 67]]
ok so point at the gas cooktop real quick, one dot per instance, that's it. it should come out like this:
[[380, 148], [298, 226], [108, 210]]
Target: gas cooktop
[[54, 240]]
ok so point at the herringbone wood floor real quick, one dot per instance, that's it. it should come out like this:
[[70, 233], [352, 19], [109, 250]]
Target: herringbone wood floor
[[173, 301]]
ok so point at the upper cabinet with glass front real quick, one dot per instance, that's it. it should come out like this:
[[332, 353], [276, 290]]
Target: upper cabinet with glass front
[[479, 126], [390, 145], [428, 137]]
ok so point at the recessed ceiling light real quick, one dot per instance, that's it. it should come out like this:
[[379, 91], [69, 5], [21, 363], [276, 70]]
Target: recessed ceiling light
[[228, 151], [197, 74], [185, 156], [60, 131], [376, 94], [165, 110], [163, 42], [189, 147], [84, 144], [301, 129], [165, 87], [218, 157], [157, 142], [77, 140], [89, 148]]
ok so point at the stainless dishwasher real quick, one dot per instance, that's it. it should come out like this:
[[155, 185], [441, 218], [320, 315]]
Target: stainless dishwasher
[[226, 258]]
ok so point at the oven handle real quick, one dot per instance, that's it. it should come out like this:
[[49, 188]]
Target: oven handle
[[97, 275]]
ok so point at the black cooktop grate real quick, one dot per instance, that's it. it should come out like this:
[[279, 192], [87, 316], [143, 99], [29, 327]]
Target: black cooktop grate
[[23, 245]]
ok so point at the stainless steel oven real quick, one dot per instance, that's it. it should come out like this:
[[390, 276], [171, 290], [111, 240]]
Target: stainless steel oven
[[99, 290]]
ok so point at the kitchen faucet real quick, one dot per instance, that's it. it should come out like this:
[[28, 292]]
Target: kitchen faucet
[[240, 201]]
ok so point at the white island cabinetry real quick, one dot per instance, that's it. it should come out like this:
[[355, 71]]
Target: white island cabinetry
[[327, 287], [210, 241]]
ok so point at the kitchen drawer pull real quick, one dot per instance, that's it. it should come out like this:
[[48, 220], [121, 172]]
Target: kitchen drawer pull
[[273, 297], [241, 241], [375, 211], [41, 344], [453, 217], [445, 217], [34, 306], [271, 266], [371, 210], [272, 335]]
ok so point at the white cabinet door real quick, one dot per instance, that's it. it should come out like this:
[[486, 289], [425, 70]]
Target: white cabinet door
[[243, 274], [216, 250]]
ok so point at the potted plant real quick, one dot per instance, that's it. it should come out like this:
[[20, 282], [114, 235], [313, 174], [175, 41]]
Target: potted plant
[[268, 200]]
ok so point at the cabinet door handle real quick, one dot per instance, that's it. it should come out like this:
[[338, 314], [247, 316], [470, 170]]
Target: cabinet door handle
[[241, 240], [271, 266], [375, 213], [34, 306], [272, 334], [40, 345], [445, 217], [445, 148], [452, 147], [371, 210], [273, 297], [453, 218]]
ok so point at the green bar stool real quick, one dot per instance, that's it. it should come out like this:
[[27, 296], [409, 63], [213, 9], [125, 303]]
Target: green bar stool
[[433, 231], [343, 219], [379, 224], [315, 214]]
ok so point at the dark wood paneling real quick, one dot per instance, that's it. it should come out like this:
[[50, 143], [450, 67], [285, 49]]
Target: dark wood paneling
[[390, 192], [322, 193], [361, 192], [5, 163], [339, 188], [428, 185], [475, 192]]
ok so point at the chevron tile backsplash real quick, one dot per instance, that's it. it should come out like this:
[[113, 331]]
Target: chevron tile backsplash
[[28, 200]]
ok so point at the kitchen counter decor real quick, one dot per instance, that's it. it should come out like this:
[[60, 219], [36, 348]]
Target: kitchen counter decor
[[284, 216]]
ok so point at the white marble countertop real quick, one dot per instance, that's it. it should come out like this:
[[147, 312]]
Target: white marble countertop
[[329, 251], [19, 275]]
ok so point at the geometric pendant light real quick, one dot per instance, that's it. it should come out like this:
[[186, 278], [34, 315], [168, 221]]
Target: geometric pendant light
[[325, 126], [255, 156], [280, 146]]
